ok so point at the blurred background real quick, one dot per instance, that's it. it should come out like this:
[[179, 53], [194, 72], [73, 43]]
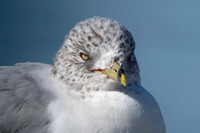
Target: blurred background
[[167, 35]]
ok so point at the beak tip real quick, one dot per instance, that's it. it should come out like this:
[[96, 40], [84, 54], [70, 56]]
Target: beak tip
[[123, 79], [124, 85]]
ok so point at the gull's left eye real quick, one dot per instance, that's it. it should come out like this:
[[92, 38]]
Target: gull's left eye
[[84, 56]]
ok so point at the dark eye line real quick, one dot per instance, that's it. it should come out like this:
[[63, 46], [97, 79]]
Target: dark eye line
[[81, 53]]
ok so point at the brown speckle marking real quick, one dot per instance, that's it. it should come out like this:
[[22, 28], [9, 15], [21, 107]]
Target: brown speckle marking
[[131, 44], [74, 30], [73, 35], [71, 40], [81, 42], [54, 72], [82, 97], [70, 65], [97, 89], [108, 39], [127, 41], [89, 38], [94, 44], [97, 36], [121, 45], [88, 45], [88, 77], [121, 36], [112, 25]]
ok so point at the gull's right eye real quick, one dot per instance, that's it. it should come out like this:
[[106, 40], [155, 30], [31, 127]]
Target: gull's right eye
[[84, 56]]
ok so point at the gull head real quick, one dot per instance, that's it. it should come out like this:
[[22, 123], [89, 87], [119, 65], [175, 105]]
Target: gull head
[[97, 54]]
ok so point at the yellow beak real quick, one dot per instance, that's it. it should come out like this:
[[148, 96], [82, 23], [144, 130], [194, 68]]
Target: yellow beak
[[115, 73]]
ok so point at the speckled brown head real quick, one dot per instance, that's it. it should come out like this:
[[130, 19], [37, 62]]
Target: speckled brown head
[[94, 45]]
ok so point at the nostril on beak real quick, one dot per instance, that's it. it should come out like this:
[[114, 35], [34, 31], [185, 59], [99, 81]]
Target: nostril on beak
[[115, 70]]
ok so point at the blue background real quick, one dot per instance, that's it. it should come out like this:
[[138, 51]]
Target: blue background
[[167, 35]]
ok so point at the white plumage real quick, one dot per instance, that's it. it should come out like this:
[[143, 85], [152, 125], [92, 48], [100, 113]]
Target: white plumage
[[73, 95]]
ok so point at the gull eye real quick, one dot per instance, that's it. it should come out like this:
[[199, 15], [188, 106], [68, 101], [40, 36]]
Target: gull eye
[[84, 56]]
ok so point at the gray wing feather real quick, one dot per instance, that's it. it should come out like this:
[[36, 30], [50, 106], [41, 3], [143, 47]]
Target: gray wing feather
[[23, 102]]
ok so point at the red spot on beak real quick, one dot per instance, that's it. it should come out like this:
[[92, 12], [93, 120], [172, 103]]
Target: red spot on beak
[[98, 70]]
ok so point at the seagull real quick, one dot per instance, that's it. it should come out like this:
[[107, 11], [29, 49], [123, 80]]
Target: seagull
[[93, 86]]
